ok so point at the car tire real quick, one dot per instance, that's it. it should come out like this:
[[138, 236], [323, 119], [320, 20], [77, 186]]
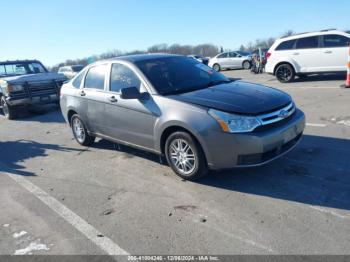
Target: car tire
[[8, 111], [185, 156], [285, 73], [246, 65], [80, 132], [217, 67]]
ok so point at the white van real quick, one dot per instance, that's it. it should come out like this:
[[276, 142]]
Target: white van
[[309, 53]]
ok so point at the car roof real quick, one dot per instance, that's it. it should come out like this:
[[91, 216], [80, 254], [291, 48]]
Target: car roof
[[315, 33], [18, 61], [141, 57]]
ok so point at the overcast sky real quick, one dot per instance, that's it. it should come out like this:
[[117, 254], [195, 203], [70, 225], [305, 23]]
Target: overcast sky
[[53, 31]]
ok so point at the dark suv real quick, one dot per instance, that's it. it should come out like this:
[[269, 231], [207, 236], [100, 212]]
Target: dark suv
[[27, 82]]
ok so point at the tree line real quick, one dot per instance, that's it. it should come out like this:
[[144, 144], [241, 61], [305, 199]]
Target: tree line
[[207, 50]]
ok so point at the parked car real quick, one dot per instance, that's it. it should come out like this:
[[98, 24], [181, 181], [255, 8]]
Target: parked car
[[230, 60], [178, 107], [70, 71], [200, 59], [27, 82], [309, 53]]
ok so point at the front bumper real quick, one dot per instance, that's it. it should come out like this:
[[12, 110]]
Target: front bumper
[[224, 150], [34, 100]]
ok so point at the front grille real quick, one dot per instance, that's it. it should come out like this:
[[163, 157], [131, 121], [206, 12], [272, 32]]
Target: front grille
[[276, 119], [256, 159], [43, 88]]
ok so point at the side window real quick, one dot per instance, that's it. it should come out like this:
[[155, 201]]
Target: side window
[[307, 42], [335, 41], [232, 54], [77, 81], [2, 70], [224, 55], [95, 78], [122, 77], [286, 45]]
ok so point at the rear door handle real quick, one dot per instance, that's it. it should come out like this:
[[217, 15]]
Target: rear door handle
[[327, 52], [113, 99], [82, 93], [295, 53]]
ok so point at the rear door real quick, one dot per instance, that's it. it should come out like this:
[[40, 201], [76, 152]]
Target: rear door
[[94, 95], [234, 60], [334, 52], [307, 54], [223, 60]]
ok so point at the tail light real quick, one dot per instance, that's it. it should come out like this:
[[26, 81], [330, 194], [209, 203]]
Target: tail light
[[268, 54]]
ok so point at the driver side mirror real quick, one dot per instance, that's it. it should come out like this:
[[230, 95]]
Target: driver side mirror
[[132, 93]]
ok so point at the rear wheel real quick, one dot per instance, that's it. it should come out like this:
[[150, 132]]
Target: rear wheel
[[185, 156], [246, 65], [217, 67], [80, 132], [9, 111], [285, 73]]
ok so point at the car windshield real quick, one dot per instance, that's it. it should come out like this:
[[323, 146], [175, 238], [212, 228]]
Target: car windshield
[[21, 68], [77, 68], [174, 75]]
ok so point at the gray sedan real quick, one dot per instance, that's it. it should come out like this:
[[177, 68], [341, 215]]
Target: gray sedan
[[178, 107]]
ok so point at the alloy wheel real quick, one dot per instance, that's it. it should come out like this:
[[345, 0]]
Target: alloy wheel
[[182, 156], [78, 130]]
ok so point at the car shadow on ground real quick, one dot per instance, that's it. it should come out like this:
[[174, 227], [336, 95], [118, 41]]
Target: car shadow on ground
[[316, 172], [128, 152], [320, 78], [13, 153], [44, 114]]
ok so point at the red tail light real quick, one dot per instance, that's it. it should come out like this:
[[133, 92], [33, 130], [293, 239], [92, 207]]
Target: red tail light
[[268, 55]]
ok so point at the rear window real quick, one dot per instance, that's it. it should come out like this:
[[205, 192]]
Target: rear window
[[95, 78], [335, 41], [286, 45], [307, 42]]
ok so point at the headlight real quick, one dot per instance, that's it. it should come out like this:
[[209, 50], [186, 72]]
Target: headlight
[[232, 123], [14, 88]]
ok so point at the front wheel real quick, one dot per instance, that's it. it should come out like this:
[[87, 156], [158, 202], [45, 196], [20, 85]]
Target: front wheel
[[9, 111], [185, 156], [246, 65], [285, 73], [80, 132]]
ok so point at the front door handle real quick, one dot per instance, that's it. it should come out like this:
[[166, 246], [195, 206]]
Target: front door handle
[[328, 52], [82, 93], [295, 53], [113, 99]]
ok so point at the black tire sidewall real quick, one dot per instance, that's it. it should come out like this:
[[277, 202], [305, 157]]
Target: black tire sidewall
[[201, 165], [218, 66], [290, 68], [88, 139], [10, 115], [246, 62]]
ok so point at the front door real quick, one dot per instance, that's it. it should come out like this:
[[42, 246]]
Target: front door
[[129, 120]]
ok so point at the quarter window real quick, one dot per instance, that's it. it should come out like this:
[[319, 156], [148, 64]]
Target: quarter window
[[335, 41], [307, 42], [123, 77], [95, 78], [286, 45], [77, 81]]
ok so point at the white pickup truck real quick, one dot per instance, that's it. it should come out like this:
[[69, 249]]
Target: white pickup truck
[[25, 83]]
